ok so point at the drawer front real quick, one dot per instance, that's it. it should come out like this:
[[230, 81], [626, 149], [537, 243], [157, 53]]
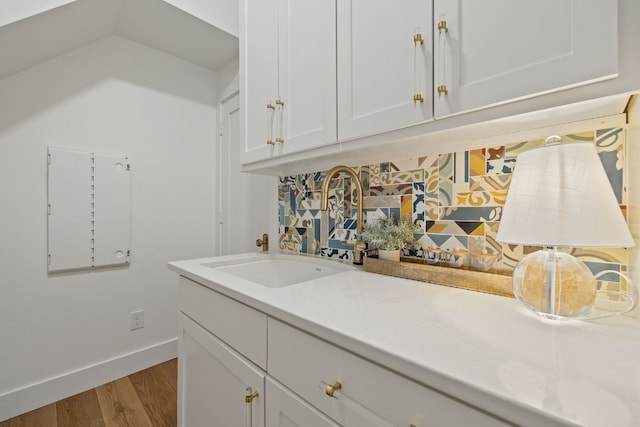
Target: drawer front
[[238, 325], [370, 395]]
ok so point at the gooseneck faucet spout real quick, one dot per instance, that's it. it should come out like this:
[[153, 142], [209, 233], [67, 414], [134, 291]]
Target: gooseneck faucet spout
[[358, 252]]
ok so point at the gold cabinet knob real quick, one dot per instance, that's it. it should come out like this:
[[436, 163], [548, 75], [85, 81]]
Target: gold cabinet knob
[[280, 140], [442, 90], [270, 107], [270, 142], [279, 102], [417, 38], [330, 389], [418, 98], [442, 25]]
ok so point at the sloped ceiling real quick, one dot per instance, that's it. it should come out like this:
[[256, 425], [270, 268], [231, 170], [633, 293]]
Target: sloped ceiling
[[154, 23]]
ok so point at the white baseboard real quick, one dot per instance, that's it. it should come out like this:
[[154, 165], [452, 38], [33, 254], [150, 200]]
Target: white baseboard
[[33, 396]]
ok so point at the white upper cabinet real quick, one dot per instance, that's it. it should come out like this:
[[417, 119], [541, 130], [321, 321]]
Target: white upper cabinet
[[322, 79], [495, 51], [258, 78], [384, 61], [288, 68]]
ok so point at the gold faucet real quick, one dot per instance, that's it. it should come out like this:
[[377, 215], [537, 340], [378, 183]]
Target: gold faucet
[[359, 248]]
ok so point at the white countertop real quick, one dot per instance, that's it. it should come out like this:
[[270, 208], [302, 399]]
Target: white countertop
[[483, 349]]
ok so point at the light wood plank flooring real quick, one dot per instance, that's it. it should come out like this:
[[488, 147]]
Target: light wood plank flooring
[[145, 399]]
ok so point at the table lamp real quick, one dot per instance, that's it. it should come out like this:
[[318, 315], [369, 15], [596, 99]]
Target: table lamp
[[560, 196]]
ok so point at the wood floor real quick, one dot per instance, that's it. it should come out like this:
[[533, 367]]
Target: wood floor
[[145, 399]]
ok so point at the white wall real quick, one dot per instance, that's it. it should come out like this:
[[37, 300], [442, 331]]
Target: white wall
[[229, 80], [15, 10], [219, 13], [61, 334]]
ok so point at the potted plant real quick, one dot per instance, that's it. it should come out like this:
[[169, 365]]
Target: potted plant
[[389, 236]]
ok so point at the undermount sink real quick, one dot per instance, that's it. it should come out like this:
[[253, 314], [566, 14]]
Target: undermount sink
[[277, 271]]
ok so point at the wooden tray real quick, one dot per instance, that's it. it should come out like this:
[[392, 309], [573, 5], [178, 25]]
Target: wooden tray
[[497, 283]]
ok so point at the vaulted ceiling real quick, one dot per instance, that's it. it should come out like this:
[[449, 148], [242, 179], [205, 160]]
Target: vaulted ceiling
[[153, 23]]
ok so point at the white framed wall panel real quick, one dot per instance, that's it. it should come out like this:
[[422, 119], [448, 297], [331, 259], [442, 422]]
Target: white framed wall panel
[[111, 210], [89, 222], [69, 209]]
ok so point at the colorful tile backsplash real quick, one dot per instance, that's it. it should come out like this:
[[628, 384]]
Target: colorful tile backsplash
[[455, 199]]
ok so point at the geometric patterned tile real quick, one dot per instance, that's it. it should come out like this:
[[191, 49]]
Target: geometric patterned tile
[[481, 198], [461, 167], [403, 165], [487, 213], [446, 192], [598, 267], [382, 201], [494, 153], [490, 183], [512, 150], [432, 206], [417, 202], [611, 152], [477, 162], [607, 255], [500, 166], [456, 198], [406, 206], [402, 177], [390, 190]]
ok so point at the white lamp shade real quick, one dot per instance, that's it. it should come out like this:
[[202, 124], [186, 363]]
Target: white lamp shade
[[560, 196]]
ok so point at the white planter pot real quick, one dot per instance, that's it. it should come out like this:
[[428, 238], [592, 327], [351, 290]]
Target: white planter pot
[[389, 255]]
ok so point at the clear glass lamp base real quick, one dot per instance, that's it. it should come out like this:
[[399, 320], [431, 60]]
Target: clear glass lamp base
[[554, 285]]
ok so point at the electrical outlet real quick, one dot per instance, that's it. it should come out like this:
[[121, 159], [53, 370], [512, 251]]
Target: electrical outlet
[[137, 319]]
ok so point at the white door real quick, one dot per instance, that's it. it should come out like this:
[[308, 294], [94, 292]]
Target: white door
[[285, 409], [494, 51], [382, 65], [258, 74], [216, 385], [248, 202], [306, 116]]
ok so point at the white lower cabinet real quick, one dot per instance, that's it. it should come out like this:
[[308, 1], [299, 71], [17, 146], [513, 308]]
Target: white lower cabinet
[[217, 386], [308, 382]]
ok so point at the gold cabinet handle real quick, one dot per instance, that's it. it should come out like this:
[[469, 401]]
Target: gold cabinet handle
[[417, 38], [330, 389], [442, 25], [442, 90], [270, 142], [418, 98], [270, 107], [250, 396], [280, 140], [279, 102]]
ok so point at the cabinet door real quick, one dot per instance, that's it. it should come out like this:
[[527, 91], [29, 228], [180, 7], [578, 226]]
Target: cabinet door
[[380, 66], [496, 51], [214, 382], [289, 72], [306, 116], [285, 409], [258, 85]]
